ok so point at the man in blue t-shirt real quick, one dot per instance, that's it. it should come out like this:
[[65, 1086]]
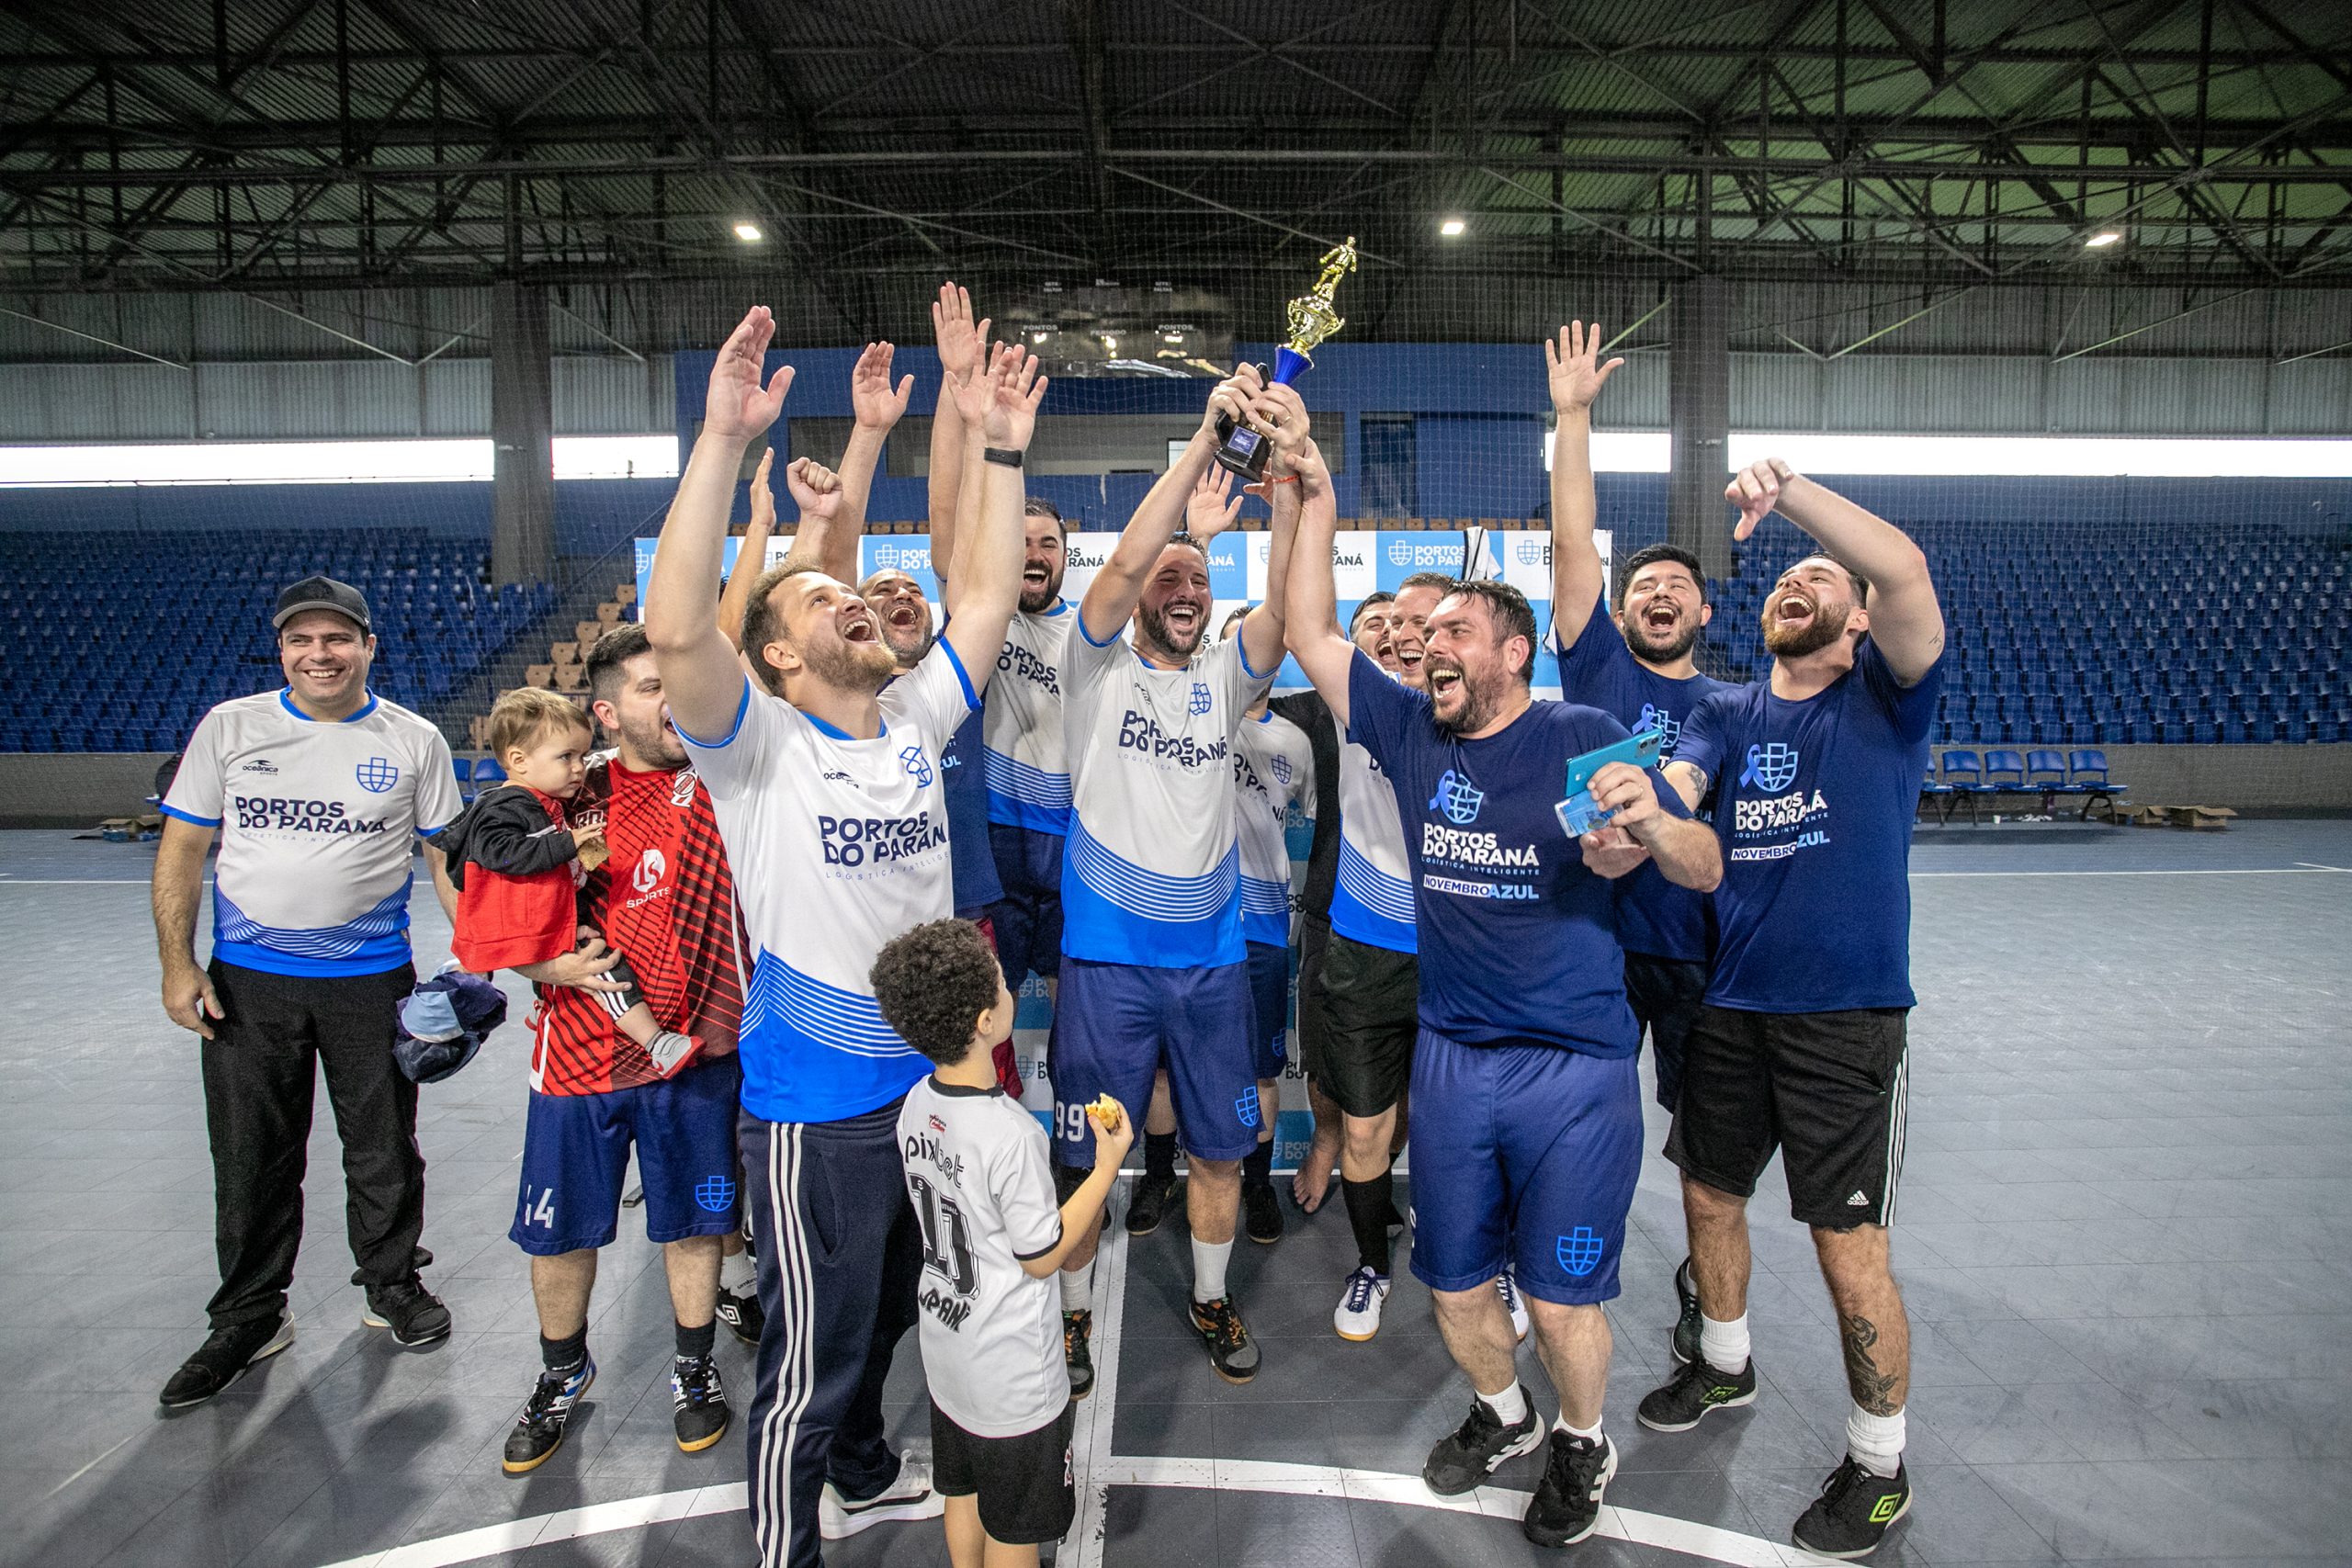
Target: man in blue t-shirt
[[1526, 1126], [1637, 668], [1800, 1045]]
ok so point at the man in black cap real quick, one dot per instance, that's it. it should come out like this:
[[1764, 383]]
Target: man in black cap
[[319, 791]]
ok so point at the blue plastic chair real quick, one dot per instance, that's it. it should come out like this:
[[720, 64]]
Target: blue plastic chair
[[1960, 774], [2086, 774]]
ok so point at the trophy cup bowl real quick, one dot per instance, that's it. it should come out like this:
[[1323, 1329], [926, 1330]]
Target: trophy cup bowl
[[1244, 450]]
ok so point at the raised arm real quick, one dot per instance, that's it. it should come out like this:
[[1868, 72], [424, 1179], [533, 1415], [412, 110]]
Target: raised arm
[[1577, 580], [1281, 414], [818, 495], [1906, 622], [701, 676], [1312, 626], [961, 354], [990, 562], [750, 557], [878, 406], [1111, 597]]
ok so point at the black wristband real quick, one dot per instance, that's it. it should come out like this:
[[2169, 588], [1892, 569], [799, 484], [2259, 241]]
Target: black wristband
[[1004, 454]]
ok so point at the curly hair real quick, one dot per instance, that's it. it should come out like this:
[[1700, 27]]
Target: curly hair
[[520, 717], [933, 984]]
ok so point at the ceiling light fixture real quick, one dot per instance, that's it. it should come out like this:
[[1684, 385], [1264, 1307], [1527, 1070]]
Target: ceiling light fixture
[[1451, 228], [2104, 237], [748, 232]]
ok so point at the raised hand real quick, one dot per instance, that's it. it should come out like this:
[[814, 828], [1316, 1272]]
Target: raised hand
[[816, 489], [870, 397], [763, 495], [1278, 412], [961, 342], [976, 390], [1208, 512], [1569, 363], [1756, 490], [1231, 398], [738, 406], [1010, 417]]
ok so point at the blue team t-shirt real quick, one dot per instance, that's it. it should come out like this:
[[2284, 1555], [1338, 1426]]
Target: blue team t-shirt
[[1518, 940], [1653, 915], [973, 861], [1813, 806]]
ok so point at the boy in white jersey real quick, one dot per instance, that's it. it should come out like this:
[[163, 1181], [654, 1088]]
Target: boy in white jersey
[[1154, 969], [981, 1174], [827, 785], [1273, 764]]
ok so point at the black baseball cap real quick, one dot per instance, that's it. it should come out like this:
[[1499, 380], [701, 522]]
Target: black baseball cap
[[322, 594]]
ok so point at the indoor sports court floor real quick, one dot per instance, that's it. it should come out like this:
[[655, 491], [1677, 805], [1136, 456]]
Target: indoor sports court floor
[[2125, 1233]]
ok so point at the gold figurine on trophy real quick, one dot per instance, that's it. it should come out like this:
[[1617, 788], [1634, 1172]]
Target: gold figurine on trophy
[[1313, 319]]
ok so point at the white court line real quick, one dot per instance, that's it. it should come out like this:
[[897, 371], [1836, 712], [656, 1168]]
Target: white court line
[[1091, 1441]]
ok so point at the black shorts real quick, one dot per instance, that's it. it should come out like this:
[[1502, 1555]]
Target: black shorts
[[1314, 937], [1665, 995], [1827, 1087], [1371, 1018], [1027, 1489]]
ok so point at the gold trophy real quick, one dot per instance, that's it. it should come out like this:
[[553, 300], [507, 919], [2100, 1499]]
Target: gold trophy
[[1312, 320]]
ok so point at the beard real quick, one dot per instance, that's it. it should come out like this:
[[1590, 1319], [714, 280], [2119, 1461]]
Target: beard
[[653, 744], [908, 647], [1481, 700], [1163, 638], [853, 666], [1782, 641], [1656, 647], [1037, 599]]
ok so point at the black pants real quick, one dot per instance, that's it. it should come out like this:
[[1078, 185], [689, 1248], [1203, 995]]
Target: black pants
[[260, 1072], [838, 1261]]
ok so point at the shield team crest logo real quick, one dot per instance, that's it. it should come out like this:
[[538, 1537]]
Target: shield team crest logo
[[918, 766], [1400, 552], [377, 774], [1771, 768], [1457, 797], [716, 1194], [1245, 1107], [1200, 700], [1534, 549], [1281, 770], [1580, 1251]]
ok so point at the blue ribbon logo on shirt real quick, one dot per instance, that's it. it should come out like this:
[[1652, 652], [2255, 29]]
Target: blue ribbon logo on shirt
[[377, 774], [1457, 797], [1580, 1251], [1771, 768], [918, 766], [1662, 720], [1200, 700]]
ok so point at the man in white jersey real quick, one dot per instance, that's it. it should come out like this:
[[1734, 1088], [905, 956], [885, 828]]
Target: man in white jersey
[[1273, 765], [1154, 968], [320, 791], [826, 780], [1021, 725]]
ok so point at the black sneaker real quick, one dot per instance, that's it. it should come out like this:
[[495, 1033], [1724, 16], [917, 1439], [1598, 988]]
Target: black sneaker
[[1694, 1390], [224, 1358], [413, 1313], [1261, 1213], [1465, 1457], [742, 1314], [1686, 1323], [1231, 1350], [1078, 1355], [1149, 1204], [539, 1431], [1850, 1517], [697, 1403], [1566, 1504]]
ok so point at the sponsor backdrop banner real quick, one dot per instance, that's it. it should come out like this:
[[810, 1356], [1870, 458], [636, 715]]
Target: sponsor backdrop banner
[[1364, 562]]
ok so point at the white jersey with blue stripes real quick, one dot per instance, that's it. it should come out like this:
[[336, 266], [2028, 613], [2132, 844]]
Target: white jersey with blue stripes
[[1151, 873], [319, 821], [837, 846], [1273, 764], [1020, 728], [1372, 898]]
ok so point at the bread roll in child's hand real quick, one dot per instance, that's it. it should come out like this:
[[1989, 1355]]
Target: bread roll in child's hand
[[1114, 1130], [1105, 1112]]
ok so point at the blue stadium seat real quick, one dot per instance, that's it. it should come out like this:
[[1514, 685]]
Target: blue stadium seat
[[2087, 776]]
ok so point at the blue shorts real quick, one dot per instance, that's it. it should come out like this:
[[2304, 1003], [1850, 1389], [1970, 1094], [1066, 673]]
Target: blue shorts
[[1269, 1006], [575, 1159], [1028, 918], [1526, 1156], [1115, 1025]]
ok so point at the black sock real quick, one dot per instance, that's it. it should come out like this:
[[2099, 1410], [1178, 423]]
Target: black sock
[[1159, 1156], [563, 1355], [694, 1343], [1369, 1205], [1258, 1166]]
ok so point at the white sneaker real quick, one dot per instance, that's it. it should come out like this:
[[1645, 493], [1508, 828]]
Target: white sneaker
[[1357, 1317], [911, 1496], [1507, 1286]]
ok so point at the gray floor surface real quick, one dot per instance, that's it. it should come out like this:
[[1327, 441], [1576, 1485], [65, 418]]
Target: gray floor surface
[[2125, 1224]]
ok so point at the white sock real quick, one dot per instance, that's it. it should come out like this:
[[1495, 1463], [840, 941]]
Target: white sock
[[1560, 1424], [1509, 1405], [1208, 1269], [1724, 1345], [737, 1273], [1876, 1440], [1078, 1287]]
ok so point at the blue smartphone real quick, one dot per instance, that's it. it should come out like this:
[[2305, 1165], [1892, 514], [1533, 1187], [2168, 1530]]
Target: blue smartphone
[[1579, 813]]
